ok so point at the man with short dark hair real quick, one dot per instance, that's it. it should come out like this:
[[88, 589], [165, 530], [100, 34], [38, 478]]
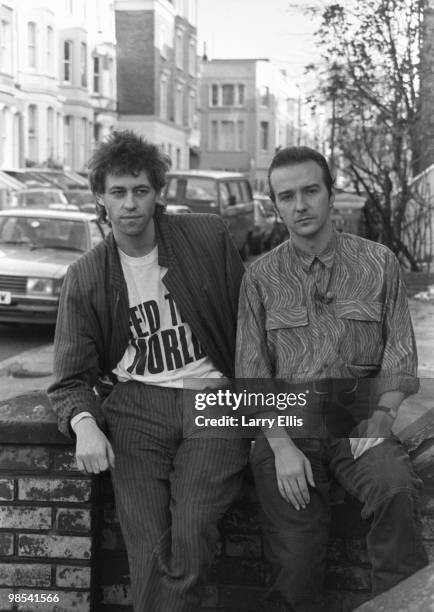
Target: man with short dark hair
[[151, 308], [327, 313]]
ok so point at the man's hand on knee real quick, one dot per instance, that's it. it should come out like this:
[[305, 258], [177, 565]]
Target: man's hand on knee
[[370, 432], [94, 453], [294, 473], [361, 445]]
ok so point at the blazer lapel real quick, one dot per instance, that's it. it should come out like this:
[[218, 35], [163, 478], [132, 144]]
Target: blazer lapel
[[185, 292], [118, 300]]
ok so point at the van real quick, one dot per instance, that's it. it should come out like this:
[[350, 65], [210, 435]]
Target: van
[[227, 194]]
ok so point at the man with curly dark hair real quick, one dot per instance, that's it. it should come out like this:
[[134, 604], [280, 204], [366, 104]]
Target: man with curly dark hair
[[151, 309]]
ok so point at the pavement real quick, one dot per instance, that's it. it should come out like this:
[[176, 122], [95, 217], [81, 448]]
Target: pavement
[[32, 370]]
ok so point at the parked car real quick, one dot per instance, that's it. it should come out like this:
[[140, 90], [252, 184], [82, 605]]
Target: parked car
[[177, 209], [83, 199], [264, 225], [227, 194], [42, 197], [278, 232], [36, 248]]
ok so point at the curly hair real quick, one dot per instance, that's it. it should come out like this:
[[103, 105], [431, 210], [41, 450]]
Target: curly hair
[[290, 156], [125, 152]]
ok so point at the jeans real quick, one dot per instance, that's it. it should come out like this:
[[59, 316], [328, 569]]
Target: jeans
[[296, 541]]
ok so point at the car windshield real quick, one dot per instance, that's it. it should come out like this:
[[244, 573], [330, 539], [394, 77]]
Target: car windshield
[[43, 233], [38, 199], [79, 197], [200, 189]]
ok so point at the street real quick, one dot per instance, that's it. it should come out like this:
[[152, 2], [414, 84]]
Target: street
[[14, 339]]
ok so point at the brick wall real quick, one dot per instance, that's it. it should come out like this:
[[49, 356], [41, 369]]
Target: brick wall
[[59, 534], [46, 520], [238, 575]]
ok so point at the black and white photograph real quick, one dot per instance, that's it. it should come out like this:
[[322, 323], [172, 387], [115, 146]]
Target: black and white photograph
[[216, 306]]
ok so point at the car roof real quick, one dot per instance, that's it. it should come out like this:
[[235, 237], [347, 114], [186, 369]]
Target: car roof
[[212, 174], [37, 189], [48, 214]]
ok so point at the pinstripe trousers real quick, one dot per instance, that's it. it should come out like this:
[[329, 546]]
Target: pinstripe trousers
[[171, 487]]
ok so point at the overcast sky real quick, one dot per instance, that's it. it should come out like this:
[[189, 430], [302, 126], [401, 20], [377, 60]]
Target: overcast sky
[[275, 29]]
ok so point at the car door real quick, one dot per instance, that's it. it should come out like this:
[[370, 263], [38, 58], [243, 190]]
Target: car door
[[240, 211]]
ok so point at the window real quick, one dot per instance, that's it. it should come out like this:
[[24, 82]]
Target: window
[[263, 135], [163, 41], [50, 50], [3, 135], [5, 46], [171, 189], [178, 157], [83, 64], [179, 55], [192, 57], [50, 133], [228, 95], [83, 141], [96, 74], [227, 142], [264, 96], [111, 79], [214, 136], [201, 190], [163, 97], [191, 109], [97, 130], [214, 95], [240, 94], [178, 105], [32, 119], [224, 194], [240, 133], [68, 141], [31, 43], [67, 61]]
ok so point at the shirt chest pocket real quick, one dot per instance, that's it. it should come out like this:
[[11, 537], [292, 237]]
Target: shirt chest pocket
[[361, 340]]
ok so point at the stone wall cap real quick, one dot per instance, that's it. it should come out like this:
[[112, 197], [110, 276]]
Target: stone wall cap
[[29, 419]]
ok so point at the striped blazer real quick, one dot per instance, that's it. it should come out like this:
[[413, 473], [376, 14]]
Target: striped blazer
[[92, 331]]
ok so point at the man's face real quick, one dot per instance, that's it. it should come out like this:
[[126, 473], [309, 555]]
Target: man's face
[[303, 200], [130, 204]]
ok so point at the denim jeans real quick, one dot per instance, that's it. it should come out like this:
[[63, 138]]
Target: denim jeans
[[296, 541]]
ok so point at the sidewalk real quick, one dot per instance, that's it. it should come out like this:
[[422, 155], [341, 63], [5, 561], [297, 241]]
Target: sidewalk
[[28, 371], [32, 370]]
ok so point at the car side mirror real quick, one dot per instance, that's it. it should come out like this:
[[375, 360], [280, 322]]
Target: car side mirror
[[232, 200]]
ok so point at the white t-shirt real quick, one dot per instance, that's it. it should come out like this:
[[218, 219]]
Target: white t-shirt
[[162, 349]]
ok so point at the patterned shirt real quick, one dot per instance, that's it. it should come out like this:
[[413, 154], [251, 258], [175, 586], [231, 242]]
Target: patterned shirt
[[340, 314]]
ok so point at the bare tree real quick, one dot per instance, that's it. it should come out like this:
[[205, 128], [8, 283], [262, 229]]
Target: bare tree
[[370, 76]]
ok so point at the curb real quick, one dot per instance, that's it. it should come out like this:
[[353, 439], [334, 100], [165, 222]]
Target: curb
[[21, 371]]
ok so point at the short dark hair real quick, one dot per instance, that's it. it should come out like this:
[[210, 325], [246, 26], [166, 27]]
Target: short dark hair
[[290, 156], [125, 152]]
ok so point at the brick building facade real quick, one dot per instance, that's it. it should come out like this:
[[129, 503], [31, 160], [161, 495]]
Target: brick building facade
[[157, 74]]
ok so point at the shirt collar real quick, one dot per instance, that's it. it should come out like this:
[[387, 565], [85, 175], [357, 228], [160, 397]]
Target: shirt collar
[[326, 256]]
